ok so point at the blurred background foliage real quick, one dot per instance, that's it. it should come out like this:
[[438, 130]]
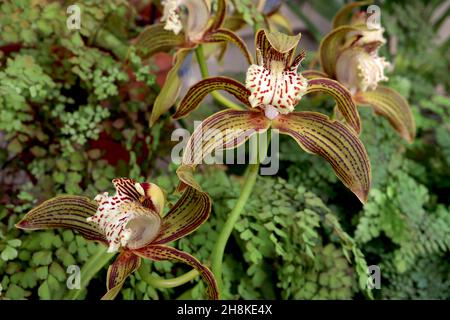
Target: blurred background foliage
[[74, 110]]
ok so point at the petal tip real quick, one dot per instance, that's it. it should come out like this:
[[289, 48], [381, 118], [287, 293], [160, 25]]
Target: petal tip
[[23, 224]]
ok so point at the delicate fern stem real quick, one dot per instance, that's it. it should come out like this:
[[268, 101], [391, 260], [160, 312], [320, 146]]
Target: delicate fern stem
[[219, 249], [89, 270], [218, 97], [158, 282]]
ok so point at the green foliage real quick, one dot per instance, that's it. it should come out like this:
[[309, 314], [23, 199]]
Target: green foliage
[[74, 109]]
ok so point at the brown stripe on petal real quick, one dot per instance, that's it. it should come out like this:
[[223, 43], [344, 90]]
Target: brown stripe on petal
[[341, 95], [190, 211], [222, 35], [162, 253], [198, 92], [125, 264], [226, 129], [219, 17], [333, 141], [391, 105], [64, 212], [126, 187], [156, 39]]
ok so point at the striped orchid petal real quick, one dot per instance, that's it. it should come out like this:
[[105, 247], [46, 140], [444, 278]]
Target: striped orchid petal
[[124, 265], [198, 92], [162, 253], [343, 98], [219, 17], [342, 17], [312, 74], [222, 35], [65, 212], [330, 47], [226, 129], [171, 88], [155, 39], [190, 211], [334, 142], [275, 46], [390, 104]]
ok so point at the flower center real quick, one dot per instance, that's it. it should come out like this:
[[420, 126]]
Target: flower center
[[125, 222], [278, 87], [359, 70], [189, 15]]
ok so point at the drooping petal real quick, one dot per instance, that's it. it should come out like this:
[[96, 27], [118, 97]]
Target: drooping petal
[[130, 218], [330, 47], [334, 142], [225, 129], [342, 17], [394, 107], [341, 95], [190, 211], [275, 46], [64, 212], [198, 92], [171, 88], [162, 253], [155, 39], [126, 263], [221, 35], [219, 17]]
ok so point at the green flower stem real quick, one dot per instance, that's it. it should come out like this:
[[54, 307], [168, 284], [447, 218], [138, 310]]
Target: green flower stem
[[218, 97], [89, 270], [158, 282], [219, 249]]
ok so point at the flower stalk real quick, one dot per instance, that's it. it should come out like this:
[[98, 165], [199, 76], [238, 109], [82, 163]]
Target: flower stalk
[[250, 180], [157, 282], [89, 270], [218, 97]]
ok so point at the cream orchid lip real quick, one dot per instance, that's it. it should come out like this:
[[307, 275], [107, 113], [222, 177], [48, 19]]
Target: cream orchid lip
[[279, 87], [127, 221], [194, 23]]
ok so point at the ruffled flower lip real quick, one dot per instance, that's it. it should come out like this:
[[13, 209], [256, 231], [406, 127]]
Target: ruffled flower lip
[[274, 84], [130, 218]]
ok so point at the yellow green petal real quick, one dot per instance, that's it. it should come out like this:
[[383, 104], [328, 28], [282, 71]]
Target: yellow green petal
[[333, 141], [171, 88], [394, 107], [343, 98], [64, 212]]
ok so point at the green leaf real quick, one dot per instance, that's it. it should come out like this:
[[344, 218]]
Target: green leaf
[[9, 253], [171, 88]]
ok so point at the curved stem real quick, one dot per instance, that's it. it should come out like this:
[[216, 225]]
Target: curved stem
[[218, 97], [158, 282], [89, 270], [219, 249]]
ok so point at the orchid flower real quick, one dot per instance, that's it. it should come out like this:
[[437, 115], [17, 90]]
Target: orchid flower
[[349, 54], [272, 90], [130, 222], [184, 30]]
